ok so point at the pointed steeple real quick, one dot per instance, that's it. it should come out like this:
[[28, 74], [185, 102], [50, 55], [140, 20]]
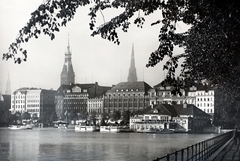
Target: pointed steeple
[[68, 75], [8, 87], [132, 75]]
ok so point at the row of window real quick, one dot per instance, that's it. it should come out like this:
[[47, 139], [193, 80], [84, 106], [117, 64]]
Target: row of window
[[33, 105], [205, 93], [123, 95], [94, 110], [75, 95], [18, 106], [208, 110], [95, 105], [18, 101], [19, 96], [204, 104], [117, 90], [205, 99], [33, 110]]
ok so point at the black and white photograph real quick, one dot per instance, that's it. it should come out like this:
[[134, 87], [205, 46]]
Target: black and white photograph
[[119, 80]]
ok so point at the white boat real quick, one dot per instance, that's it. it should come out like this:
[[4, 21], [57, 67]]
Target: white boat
[[109, 129], [104, 128], [21, 127], [84, 128]]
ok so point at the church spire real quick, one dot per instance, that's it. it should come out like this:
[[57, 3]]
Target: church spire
[[8, 87], [132, 75]]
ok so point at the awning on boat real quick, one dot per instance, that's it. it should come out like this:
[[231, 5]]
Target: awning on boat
[[59, 122]]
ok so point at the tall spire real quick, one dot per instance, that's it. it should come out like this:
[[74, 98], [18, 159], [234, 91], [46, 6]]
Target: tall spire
[[68, 47], [8, 87], [132, 75], [67, 75]]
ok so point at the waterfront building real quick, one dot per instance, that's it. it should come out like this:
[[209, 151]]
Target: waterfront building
[[191, 118], [132, 74], [40, 102], [179, 117], [200, 95], [74, 97], [35, 101], [18, 100], [124, 96], [67, 75]]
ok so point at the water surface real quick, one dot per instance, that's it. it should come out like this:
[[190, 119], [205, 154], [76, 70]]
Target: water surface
[[62, 145]]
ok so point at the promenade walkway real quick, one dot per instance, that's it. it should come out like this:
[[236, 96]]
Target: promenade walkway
[[229, 152]]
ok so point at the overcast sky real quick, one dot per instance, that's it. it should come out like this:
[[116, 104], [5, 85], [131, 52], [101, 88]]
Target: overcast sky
[[94, 59]]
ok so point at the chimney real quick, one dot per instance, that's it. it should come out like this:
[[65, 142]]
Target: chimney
[[185, 104]]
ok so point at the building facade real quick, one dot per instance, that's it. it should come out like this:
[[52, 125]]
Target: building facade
[[35, 101], [95, 105], [124, 96], [19, 100], [74, 97], [179, 118], [205, 100], [162, 94], [202, 96]]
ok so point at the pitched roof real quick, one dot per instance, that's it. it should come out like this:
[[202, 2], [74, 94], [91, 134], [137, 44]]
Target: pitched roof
[[70, 86], [190, 110], [123, 86], [162, 109]]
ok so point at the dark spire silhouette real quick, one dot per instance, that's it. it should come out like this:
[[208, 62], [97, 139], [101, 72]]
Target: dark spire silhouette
[[8, 87], [132, 75]]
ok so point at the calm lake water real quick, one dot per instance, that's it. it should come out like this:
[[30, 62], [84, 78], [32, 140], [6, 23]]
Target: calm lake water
[[60, 145]]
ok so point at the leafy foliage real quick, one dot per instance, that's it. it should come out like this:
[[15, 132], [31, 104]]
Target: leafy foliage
[[115, 115], [210, 45], [26, 116]]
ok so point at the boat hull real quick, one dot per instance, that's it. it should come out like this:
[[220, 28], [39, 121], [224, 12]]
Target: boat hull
[[86, 128], [21, 127]]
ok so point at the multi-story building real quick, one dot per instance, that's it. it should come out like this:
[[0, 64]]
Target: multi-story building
[[191, 95], [131, 96], [18, 100], [205, 99], [35, 101], [40, 101], [201, 96], [179, 117], [162, 94], [74, 97], [95, 105]]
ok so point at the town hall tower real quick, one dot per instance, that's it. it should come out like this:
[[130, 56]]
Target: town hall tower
[[67, 75]]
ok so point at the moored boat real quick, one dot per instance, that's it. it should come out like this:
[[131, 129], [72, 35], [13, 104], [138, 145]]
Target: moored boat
[[85, 128], [21, 127]]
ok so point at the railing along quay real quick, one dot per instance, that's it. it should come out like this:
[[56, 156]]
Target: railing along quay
[[200, 151]]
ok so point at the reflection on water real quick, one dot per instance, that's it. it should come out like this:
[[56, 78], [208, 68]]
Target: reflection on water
[[52, 145]]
